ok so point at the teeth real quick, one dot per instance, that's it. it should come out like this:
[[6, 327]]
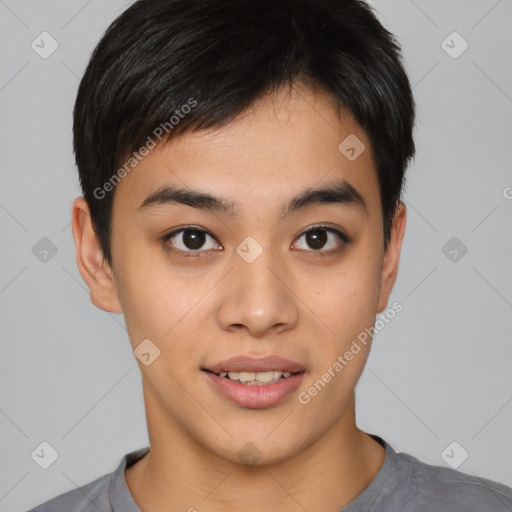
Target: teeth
[[266, 376], [256, 378], [245, 376]]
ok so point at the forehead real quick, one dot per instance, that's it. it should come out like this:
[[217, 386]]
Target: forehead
[[281, 145]]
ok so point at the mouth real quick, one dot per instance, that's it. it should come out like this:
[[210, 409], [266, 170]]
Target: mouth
[[255, 383]]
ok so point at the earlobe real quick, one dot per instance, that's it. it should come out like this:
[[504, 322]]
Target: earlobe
[[89, 257], [392, 257]]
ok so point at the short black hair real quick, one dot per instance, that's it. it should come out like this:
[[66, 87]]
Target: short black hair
[[219, 57]]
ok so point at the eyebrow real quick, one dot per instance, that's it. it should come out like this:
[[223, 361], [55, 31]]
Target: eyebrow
[[340, 192]]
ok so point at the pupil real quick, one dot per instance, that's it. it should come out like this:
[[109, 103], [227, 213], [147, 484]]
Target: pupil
[[193, 239], [316, 238]]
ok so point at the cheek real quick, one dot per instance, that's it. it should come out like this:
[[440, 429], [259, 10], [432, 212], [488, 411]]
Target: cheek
[[348, 300], [149, 304], [348, 305], [161, 303]]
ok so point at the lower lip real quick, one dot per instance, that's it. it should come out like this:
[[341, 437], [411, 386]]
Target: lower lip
[[255, 397]]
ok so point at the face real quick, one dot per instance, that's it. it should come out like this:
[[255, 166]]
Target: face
[[263, 268]]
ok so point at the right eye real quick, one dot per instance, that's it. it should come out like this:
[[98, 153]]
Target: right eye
[[189, 240]]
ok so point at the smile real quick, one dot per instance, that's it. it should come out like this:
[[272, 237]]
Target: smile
[[256, 378]]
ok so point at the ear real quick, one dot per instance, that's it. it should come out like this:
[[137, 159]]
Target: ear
[[392, 257], [96, 272]]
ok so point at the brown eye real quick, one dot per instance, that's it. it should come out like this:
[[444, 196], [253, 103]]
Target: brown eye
[[321, 239], [190, 240], [193, 239], [316, 239]]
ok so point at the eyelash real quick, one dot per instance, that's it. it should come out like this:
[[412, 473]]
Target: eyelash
[[194, 254]]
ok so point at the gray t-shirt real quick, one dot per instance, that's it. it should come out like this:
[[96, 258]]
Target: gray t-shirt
[[403, 483]]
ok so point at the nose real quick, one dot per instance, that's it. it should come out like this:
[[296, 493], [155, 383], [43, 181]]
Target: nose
[[258, 297]]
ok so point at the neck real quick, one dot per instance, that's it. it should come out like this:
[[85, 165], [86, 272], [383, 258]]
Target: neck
[[178, 474]]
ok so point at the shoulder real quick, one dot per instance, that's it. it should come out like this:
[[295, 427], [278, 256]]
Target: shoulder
[[106, 493], [429, 487], [88, 498]]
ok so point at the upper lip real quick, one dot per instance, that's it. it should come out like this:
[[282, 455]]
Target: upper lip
[[264, 364]]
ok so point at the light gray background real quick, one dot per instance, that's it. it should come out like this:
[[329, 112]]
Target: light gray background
[[439, 372]]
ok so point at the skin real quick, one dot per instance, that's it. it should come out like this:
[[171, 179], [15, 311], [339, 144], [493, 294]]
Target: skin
[[291, 301]]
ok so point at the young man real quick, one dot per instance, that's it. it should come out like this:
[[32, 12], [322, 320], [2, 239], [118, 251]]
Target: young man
[[242, 164]]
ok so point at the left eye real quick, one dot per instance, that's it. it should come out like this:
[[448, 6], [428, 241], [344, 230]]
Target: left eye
[[325, 239]]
